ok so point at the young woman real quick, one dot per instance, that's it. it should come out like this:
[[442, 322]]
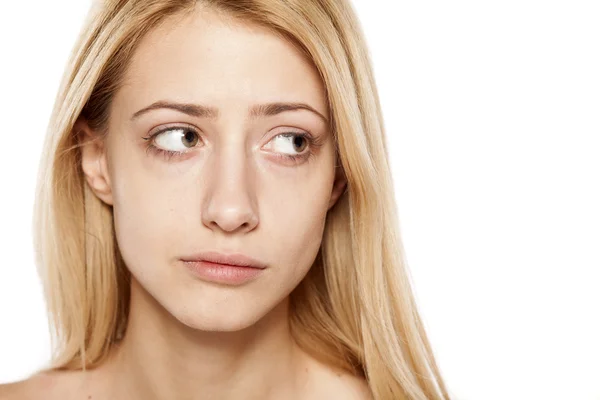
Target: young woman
[[215, 213]]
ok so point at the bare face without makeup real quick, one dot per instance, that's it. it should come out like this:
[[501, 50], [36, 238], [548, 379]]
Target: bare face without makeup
[[219, 173]]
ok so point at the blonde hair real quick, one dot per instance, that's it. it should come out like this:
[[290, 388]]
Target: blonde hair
[[354, 309]]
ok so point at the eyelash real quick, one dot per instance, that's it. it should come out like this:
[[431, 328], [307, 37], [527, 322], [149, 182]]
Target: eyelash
[[168, 155]]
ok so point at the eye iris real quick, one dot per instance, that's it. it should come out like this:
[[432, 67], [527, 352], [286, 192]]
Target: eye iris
[[299, 138], [190, 138]]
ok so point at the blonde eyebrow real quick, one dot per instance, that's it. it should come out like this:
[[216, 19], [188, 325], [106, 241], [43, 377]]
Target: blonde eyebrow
[[255, 111]]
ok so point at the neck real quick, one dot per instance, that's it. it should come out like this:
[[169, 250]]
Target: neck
[[161, 358]]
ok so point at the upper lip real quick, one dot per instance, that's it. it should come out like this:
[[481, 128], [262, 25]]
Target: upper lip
[[237, 259]]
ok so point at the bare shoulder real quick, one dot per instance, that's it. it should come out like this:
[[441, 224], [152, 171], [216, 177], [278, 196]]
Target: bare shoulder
[[48, 385], [343, 385], [23, 389], [9, 391], [335, 384]]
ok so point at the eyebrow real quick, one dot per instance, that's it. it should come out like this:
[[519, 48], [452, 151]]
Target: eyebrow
[[202, 111]]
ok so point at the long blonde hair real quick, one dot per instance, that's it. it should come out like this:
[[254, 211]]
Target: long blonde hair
[[354, 310]]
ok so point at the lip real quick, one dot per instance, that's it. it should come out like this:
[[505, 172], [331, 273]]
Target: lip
[[223, 273], [235, 259]]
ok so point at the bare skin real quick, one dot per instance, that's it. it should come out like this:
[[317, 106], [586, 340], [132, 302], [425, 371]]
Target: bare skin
[[326, 383], [230, 192]]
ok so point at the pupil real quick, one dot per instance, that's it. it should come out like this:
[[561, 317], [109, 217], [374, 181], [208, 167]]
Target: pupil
[[189, 136], [298, 138]]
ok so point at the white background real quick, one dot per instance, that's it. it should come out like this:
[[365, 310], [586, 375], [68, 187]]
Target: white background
[[492, 110]]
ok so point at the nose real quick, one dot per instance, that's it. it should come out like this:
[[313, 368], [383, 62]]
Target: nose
[[229, 202]]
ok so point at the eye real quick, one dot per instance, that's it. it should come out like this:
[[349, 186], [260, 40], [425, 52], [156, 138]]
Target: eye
[[176, 139], [175, 142], [290, 143]]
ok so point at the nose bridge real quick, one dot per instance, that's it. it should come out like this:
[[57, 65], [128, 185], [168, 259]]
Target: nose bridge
[[229, 201]]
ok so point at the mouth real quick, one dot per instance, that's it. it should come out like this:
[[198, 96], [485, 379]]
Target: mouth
[[221, 259], [225, 274]]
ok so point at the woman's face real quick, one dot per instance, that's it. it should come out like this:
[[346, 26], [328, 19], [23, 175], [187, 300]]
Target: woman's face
[[235, 188]]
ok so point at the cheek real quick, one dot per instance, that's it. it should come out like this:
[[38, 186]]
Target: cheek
[[295, 219], [144, 211]]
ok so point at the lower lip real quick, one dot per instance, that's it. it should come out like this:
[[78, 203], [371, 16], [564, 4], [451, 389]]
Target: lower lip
[[222, 273]]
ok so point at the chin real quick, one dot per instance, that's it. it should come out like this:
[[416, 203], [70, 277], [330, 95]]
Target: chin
[[217, 321], [208, 307], [219, 314]]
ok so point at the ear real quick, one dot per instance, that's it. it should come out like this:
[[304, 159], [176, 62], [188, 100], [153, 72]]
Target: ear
[[339, 184], [93, 160]]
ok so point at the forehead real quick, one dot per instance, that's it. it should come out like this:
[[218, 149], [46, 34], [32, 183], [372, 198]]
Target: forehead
[[205, 57]]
